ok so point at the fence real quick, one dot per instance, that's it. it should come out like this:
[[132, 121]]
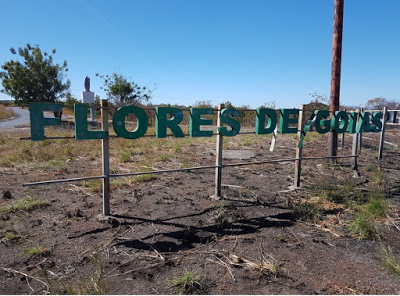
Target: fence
[[219, 165]]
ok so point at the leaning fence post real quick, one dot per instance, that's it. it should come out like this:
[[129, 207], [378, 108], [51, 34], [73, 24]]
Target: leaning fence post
[[218, 158], [106, 159], [274, 135], [299, 151], [382, 140]]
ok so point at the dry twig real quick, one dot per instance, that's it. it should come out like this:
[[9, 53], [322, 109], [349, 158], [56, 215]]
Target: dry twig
[[27, 276]]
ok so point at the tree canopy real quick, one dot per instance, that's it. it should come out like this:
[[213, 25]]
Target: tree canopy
[[379, 103], [122, 92], [36, 78]]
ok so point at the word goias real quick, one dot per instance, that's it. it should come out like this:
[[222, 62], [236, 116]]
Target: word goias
[[170, 118]]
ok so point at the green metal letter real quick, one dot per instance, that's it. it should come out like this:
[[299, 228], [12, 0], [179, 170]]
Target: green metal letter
[[162, 121], [38, 121], [81, 125], [376, 125], [352, 122], [196, 122], [286, 120], [340, 121], [305, 130], [260, 121], [319, 115], [141, 124], [226, 117], [363, 123]]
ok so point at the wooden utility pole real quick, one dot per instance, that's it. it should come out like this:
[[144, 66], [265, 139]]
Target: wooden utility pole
[[335, 72]]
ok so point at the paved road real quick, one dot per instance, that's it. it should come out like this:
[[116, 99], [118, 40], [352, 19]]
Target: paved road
[[21, 116]]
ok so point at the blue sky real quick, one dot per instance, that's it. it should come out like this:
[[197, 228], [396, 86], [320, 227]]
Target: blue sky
[[248, 52]]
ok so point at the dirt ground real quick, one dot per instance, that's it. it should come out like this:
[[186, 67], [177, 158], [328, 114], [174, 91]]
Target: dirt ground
[[167, 228]]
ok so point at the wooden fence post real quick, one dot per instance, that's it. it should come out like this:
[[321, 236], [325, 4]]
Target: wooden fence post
[[382, 140], [274, 135], [106, 159], [355, 146], [218, 158], [342, 142], [360, 137], [299, 151]]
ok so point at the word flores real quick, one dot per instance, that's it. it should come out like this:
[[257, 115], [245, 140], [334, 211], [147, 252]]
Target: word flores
[[170, 118]]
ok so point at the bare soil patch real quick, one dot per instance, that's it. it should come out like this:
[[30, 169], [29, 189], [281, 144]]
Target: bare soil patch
[[167, 235]]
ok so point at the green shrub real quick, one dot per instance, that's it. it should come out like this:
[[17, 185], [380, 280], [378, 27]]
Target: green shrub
[[187, 283]]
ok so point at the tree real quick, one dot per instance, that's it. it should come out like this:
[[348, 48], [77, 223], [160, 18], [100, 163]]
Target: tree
[[269, 105], [203, 104], [122, 92], [379, 103], [229, 105], [36, 79], [319, 98], [70, 100]]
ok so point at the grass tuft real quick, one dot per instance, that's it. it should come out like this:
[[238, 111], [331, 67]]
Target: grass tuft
[[145, 178], [11, 236], [308, 212], [364, 227], [26, 204], [96, 284], [389, 261], [187, 283], [220, 216], [376, 207], [39, 251]]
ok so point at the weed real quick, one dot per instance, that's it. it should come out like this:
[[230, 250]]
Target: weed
[[94, 285], [186, 163], [364, 227], [389, 260], [145, 178], [280, 238], [177, 147], [52, 165], [370, 168], [308, 212], [124, 157], [275, 268], [331, 192], [291, 170], [332, 165], [11, 236], [39, 251], [94, 185], [312, 136], [187, 283], [376, 207], [164, 157], [379, 177], [26, 204], [137, 151], [220, 216], [119, 182]]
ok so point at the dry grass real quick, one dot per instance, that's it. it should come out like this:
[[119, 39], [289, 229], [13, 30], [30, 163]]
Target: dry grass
[[389, 261], [5, 114]]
